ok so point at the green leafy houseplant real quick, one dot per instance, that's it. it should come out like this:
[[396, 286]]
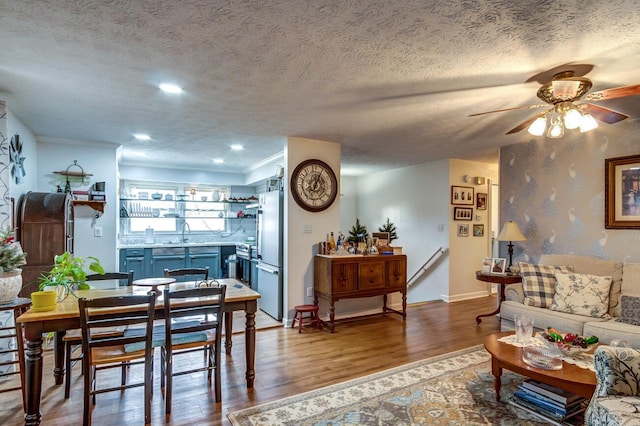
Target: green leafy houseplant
[[68, 272]]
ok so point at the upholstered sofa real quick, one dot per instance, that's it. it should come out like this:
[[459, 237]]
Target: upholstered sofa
[[616, 400], [608, 323]]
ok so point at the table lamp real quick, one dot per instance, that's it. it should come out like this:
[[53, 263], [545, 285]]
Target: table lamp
[[510, 232]]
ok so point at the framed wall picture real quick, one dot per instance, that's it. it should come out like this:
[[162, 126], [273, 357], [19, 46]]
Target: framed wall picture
[[462, 213], [481, 201], [499, 266], [462, 195], [622, 192], [463, 230], [478, 230]]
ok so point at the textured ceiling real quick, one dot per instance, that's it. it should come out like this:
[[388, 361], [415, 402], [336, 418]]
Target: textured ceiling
[[392, 81]]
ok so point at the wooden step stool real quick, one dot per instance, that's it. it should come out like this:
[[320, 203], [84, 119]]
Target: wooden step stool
[[313, 318]]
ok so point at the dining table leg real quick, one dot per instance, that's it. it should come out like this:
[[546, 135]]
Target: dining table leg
[[58, 356], [250, 341], [228, 331], [33, 378]]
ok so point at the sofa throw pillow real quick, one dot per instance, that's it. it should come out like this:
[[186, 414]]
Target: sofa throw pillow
[[539, 283], [582, 294], [630, 310]]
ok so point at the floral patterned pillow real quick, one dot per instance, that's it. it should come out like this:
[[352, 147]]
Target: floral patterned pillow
[[630, 310], [582, 294]]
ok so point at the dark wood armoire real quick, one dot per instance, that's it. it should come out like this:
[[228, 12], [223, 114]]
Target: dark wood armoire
[[44, 229]]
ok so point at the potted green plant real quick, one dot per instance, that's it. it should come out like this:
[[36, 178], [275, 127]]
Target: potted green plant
[[11, 258], [68, 274]]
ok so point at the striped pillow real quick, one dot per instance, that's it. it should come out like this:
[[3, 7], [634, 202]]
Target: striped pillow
[[539, 283]]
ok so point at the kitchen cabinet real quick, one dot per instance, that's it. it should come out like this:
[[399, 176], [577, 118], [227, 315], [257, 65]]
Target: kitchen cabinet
[[346, 277], [151, 262], [167, 258], [133, 260]]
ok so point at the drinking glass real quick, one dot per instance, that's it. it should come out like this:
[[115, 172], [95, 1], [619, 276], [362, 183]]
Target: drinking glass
[[524, 328]]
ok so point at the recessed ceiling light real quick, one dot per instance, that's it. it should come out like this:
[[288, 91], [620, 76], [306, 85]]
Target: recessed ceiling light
[[170, 88], [237, 147], [142, 136], [218, 160]]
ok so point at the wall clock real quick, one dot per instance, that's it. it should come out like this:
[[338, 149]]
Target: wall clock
[[314, 185]]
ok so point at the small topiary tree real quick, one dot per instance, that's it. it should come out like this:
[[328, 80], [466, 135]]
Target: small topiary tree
[[358, 232], [391, 229]]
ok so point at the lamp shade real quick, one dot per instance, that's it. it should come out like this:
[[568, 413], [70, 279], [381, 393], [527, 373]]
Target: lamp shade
[[511, 232]]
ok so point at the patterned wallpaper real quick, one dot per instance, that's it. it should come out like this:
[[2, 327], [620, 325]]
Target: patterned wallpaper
[[554, 190], [5, 171]]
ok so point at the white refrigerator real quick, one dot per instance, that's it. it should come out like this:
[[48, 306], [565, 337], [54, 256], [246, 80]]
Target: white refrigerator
[[270, 225]]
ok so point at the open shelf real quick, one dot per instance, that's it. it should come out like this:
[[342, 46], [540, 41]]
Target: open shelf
[[96, 205]]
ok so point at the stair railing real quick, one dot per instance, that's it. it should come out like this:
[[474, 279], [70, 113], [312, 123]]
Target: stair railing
[[423, 268]]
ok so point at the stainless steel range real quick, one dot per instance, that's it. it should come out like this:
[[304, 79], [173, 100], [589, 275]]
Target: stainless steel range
[[243, 263]]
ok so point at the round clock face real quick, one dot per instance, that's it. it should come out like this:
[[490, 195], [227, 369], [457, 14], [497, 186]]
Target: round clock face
[[314, 185]]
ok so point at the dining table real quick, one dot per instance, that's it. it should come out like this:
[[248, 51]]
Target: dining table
[[66, 316]]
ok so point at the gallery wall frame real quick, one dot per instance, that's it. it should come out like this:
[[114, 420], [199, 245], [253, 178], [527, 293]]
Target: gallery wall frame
[[622, 192], [463, 213], [463, 230], [478, 230], [462, 196], [481, 201]]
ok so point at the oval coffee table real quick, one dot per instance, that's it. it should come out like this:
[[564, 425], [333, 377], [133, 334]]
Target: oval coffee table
[[571, 378]]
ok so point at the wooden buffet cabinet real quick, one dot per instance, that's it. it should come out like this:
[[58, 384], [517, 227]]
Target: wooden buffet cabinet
[[353, 276]]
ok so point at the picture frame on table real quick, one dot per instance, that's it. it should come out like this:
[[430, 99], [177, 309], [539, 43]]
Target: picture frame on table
[[462, 195], [622, 192], [481, 201], [463, 213], [486, 265], [499, 266], [463, 230], [478, 230]]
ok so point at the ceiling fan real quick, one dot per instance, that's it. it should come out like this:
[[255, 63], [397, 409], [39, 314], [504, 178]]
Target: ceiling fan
[[571, 106]]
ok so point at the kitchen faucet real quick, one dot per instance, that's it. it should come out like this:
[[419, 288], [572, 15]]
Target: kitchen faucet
[[186, 226]]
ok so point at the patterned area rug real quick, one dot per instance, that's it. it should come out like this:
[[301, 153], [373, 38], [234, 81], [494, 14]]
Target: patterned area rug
[[451, 389]]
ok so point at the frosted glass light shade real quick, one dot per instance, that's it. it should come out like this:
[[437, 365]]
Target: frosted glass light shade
[[537, 127], [587, 123], [572, 118], [556, 130]]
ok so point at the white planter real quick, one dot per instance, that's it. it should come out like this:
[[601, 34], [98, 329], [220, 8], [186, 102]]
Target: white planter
[[10, 285]]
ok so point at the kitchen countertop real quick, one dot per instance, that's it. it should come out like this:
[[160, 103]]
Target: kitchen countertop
[[187, 244]]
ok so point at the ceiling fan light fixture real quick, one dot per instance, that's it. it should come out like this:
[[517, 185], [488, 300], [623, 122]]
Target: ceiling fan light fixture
[[587, 123], [572, 118], [565, 89], [556, 130], [538, 126]]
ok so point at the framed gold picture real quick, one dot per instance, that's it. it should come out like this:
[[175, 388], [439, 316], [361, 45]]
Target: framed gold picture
[[622, 192], [478, 230], [462, 213], [462, 195]]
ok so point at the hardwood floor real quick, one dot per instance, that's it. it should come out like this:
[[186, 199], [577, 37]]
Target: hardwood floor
[[287, 363]]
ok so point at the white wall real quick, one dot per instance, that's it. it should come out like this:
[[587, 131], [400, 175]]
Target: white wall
[[300, 248], [416, 200], [466, 253], [98, 159], [29, 151]]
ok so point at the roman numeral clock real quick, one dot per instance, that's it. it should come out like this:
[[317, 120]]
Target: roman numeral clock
[[314, 185]]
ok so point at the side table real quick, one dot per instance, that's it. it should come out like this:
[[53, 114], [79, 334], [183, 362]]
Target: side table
[[502, 281]]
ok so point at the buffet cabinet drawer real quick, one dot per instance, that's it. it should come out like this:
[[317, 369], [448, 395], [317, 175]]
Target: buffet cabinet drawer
[[371, 275]]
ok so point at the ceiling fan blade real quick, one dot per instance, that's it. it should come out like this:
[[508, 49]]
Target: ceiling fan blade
[[603, 114], [523, 125], [509, 109], [616, 92]]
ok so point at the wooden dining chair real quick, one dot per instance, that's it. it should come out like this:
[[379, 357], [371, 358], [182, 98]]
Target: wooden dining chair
[[73, 340], [188, 274], [203, 332], [101, 352]]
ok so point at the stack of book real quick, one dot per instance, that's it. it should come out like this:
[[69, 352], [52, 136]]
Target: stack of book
[[551, 402]]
